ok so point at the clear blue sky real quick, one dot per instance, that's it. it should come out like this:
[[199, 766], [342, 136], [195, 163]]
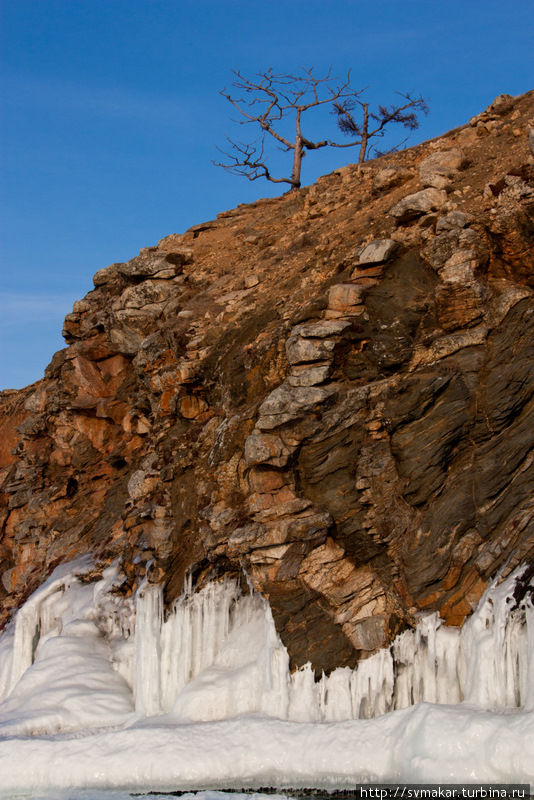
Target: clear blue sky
[[111, 117]]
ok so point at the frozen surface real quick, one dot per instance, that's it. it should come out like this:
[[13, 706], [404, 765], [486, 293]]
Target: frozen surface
[[422, 743], [103, 794], [101, 695]]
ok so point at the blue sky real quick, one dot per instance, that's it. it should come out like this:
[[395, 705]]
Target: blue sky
[[111, 117]]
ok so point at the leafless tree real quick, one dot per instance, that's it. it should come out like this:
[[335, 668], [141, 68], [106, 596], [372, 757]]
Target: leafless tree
[[267, 102], [372, 125], [270, 99]]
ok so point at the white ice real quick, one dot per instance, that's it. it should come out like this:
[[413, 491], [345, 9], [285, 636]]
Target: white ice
[[99, 694]]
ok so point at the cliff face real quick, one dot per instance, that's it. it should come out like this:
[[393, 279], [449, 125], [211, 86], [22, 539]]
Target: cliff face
[[331, 392]]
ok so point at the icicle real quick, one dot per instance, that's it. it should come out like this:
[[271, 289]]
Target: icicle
[[26, 635], [447, 675], [148, 650], [38, 616], [338, 705], [372, 686], [304, 696], [493, 642], [527, 662], [6, 660]]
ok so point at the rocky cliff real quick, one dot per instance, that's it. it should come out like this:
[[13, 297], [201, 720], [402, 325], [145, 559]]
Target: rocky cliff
[[330, 393]]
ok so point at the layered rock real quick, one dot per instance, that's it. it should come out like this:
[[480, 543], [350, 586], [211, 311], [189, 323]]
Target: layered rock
[[330, 392]]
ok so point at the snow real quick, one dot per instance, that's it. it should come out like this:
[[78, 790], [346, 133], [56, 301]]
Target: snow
[[419, 744], [112, 794], [99, 694], [118, 795]]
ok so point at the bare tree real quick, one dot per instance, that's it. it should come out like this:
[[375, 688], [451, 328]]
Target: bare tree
[[270, 99], [372, 125], [267, 102]]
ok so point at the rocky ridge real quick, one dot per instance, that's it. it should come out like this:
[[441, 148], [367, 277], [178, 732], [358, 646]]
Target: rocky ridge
[[330, 392]]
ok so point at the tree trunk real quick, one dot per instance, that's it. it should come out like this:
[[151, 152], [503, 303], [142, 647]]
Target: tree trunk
[[365, 134], [298, 152], [297, 163]]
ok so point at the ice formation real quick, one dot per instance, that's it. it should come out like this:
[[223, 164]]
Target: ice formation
[[78, 658], [218, 655]]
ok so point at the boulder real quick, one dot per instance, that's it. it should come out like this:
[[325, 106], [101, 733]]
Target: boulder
[[415, 205], [322, 329], [452, 221], [301, 351], [459, 268], [344, 296], [266, 448], [287, 403], [308, 375], [501, 105], [106, 274], [441, 166], [389, 177], [150, 263], [378, 251], [145, 293]]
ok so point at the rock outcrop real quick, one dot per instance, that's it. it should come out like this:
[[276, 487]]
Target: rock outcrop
[[331, 392]]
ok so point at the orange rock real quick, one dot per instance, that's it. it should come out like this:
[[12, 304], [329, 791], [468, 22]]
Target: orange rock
[[192, 407], [88, 379], [165, 400], [461, 603], [111, 367], [344, 296], [265, 480], [9, 435], [61, 458], [262, 501], [98, 431], [112, 409]]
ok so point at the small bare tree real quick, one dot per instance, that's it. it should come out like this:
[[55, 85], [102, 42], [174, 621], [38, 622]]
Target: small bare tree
[[372, 125], [270, 99]]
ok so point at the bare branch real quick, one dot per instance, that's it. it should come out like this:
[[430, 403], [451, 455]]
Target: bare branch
[[247, 160], [395, 149], [264, 120], [400, 114]]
